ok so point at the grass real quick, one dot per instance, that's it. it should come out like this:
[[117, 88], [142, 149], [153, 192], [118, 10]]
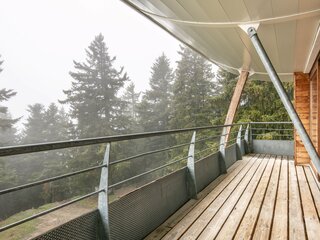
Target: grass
[[25, 229]]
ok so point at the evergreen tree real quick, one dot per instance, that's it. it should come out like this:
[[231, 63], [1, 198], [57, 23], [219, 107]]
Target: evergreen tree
[[93, 97], [34, 128], [132, 99], [96, 107], [259, 101], [192, 88], [7, 137], [7, 129], [154, 108]]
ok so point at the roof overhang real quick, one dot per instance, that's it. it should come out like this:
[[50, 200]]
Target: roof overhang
[[288, 29]]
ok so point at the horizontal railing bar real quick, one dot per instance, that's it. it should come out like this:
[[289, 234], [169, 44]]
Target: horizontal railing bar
[[271, 123], [28, 185], [281, 135], [48, 211], [148, 153], [41, 147], [207, 138], [145, 173], [206, 156], [210, 148], [274, 129]]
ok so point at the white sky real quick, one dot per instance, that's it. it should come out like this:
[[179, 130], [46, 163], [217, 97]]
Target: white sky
[[39, 39]]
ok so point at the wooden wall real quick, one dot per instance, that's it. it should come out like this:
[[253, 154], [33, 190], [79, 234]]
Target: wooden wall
[[302, 105], [307, 104]]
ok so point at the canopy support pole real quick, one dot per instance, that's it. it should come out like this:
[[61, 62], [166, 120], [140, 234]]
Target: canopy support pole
[[233, 106], [284, 98]]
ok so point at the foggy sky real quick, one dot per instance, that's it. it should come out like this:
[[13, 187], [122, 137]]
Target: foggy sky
[[40, 38]]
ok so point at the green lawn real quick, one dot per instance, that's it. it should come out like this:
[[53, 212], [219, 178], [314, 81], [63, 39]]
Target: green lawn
[[25, 229]]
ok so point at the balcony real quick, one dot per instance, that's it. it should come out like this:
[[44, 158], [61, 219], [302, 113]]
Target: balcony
[[242, 185]]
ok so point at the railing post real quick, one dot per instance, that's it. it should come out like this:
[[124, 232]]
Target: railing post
[[248, 138], [239, 144], [222, 151], [103, 200], [192, 183]]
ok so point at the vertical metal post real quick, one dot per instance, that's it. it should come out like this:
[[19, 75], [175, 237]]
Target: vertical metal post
[[284, 98], [223, 143], [192, 183], [239, 144], [248, 138], [103, 200], [239, 136], [222, 151]]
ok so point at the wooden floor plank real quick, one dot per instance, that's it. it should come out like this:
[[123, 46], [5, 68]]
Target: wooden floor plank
[[314, 188], [296, 224], [241, 195], [184, 224], [263, 226], [229, 228], [196, 228], [272, 199], [248, 222], [280, 219], [309, 211], [185, 209]]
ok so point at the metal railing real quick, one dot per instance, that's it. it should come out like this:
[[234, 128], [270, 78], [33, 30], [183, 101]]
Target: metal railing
[[272, 130], [239, 132]]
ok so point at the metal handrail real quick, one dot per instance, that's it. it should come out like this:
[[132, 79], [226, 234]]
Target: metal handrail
[[41, 147], [9, 151], [271, 123]]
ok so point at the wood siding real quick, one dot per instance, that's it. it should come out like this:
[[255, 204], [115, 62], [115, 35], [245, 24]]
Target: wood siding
[[302, 105]]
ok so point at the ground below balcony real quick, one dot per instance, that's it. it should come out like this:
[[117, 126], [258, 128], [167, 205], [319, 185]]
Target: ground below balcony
[[261, 197]]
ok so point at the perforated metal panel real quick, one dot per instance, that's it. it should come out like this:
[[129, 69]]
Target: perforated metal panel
[[231, 155], [137, 214], [85, 227], [207, 169]]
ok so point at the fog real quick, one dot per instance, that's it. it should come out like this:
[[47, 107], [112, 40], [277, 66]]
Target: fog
[[40, 39]]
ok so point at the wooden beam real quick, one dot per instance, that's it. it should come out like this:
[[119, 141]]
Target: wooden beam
[[235, 102]]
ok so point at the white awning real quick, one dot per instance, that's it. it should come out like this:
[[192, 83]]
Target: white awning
[[288, 29]]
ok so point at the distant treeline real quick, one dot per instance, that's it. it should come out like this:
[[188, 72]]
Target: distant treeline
[[103, 101]]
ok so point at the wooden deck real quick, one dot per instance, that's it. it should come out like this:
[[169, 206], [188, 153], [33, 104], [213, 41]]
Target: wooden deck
[[261, 197]]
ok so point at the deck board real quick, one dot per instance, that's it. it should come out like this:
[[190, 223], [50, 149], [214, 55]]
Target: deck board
[[309, 210], [239, 196], [253, 196], [280, 218], [236, 186], [192, 216], [261, 197], [296, 224]]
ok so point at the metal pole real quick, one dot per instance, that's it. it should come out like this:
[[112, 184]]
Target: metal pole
[[284, 98], [239, 143], [103, 199], [192, 184]]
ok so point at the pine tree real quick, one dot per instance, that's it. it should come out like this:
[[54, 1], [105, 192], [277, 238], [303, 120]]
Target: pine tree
[[132, 99], [46, 125], [193, 86], [93, 97], [154, 108], [34, 128], [7, 137], [7, 129]]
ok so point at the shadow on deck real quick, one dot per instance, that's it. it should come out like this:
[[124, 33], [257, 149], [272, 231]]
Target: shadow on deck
[[261, 197]]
